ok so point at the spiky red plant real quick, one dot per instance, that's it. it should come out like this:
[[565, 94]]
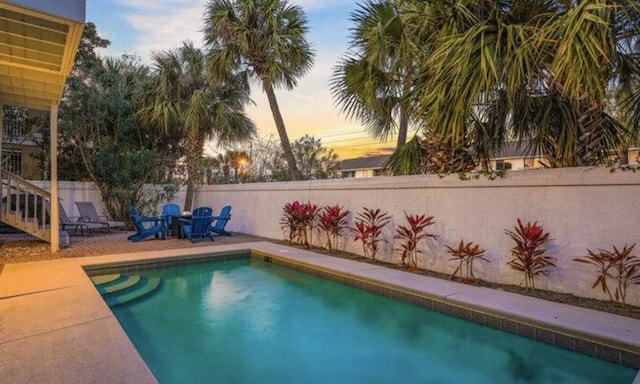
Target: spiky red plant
[[466, 254], [619, 265], [411, 236], [332, 220], [299, 219], [367, 229], [528, 255]]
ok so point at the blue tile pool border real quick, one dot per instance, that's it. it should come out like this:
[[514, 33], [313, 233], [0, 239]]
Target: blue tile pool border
[[573, 341]]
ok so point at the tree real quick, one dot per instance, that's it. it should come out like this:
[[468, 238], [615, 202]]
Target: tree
[[184, 99], [535, 71], [373, 82], [264, 39], [218, 169], [86, 57], [102, 141], [314, 160]]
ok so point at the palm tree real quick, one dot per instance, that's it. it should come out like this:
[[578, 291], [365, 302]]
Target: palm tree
[[373, 82], [264, 39], [537, 71], [183, 98]]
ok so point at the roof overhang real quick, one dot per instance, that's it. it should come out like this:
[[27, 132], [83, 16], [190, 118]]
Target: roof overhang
[[38, 44]]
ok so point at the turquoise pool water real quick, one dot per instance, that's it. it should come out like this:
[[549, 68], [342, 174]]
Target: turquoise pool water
[[247, 321]]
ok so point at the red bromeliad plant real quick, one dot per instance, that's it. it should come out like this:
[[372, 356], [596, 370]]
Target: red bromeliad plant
[[367, 229], [619, 265], [333, 220], [411, 236], [528, 256], [299, 219], [466, 254]]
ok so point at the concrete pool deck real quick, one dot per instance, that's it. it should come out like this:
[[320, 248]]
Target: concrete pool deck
[[55, 327]]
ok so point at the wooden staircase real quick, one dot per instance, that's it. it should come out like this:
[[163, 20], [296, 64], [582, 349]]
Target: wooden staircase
[[24, 206]]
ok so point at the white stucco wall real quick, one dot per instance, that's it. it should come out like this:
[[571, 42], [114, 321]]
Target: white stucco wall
[[581, 208], [69, 192]]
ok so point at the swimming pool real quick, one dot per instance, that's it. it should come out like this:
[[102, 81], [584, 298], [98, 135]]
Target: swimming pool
[[248, 321]]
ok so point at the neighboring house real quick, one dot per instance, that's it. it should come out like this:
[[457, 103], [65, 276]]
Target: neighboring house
[[515, 157], [363, 166], [19, 147], [634, 155]]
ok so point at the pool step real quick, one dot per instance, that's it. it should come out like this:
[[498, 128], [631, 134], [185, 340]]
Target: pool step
[[147, 287], [119, 289], [128, 282], [105, 279]]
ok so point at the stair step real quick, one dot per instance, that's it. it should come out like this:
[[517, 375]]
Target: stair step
[[128, 282], [105, 279], [150, 286]]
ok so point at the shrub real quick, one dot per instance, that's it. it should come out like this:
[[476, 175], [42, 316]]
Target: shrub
[[620, 266], [333, 220], [466, 254], [299, 219], [367, 229], [412, 235], [528, 256]]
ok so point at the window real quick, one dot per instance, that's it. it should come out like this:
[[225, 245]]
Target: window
[[346, 174], [12, 161], [502, 165], [529, 163], [379, 172]]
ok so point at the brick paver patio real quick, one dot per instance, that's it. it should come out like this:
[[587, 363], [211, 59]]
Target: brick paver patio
[[20, 248]]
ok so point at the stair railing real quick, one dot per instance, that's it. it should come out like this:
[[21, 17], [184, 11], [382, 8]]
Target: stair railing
[[25, 202]]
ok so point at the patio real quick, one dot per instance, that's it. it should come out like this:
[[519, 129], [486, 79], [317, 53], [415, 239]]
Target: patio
[[17, 248]]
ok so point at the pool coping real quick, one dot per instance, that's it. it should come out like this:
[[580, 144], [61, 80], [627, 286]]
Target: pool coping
[[54, 290]]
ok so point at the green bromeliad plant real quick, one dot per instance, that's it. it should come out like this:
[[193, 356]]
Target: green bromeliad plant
[[618, 265], [528, 255], [411, 235]]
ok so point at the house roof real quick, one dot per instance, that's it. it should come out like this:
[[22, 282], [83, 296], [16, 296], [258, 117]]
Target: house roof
[[38, 43], [360, 163], [511, 150]]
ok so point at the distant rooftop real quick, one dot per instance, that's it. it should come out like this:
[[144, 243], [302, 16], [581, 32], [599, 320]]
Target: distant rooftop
[[512, 149], [371, 162]]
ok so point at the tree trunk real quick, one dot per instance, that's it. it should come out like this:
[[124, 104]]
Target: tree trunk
[[402, 128], [194, 148], [404, 111], [282, 132]]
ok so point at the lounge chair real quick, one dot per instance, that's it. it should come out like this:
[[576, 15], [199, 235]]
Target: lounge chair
[[66, 221], [169, 211], [88, 214], [221, 220], [198, 228], [158, 227]]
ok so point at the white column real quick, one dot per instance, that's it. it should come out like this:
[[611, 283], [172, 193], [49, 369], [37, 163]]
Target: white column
[[1, 140], [53, 206]]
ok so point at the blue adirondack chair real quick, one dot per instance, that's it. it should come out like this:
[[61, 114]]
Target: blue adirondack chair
[[221, 220], [170, 210], [157, 228], [198, 228]]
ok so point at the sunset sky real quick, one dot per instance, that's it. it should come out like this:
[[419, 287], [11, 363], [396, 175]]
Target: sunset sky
[[142, 26]]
